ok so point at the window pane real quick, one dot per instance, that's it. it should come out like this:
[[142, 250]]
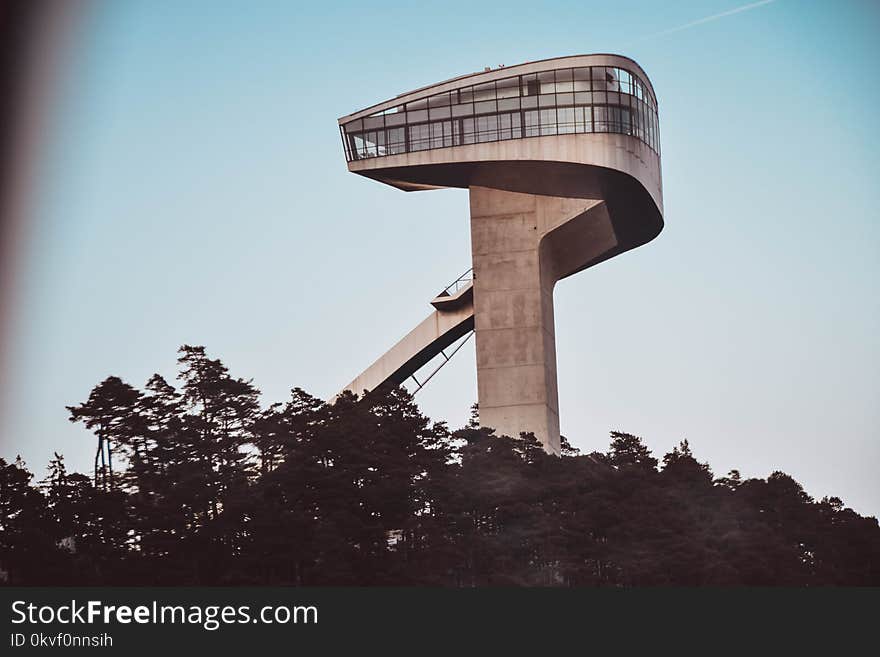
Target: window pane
[[485, 107], [584, 119], [467, 131], [610, 79], [371, 122], [487, 128], [509, 126], [484, 91], [356, 146], [582, 79], [564, 81], [565, 119], [419, 137], [440, 100], [441, 134], [548, 122], [398, 118], [530, 85], [370, 139], [625, 80], [626, 122], [601, 117], [508, 104], [508, 88], [396, 141], [532, 125]]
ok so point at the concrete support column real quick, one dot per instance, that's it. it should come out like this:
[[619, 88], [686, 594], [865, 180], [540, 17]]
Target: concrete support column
[[517, 260]]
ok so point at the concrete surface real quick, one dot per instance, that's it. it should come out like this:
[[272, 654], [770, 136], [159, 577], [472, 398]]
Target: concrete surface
[[542, 208]]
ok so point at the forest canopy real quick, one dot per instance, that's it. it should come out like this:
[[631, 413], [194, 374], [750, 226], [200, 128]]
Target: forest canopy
[[197, 483]]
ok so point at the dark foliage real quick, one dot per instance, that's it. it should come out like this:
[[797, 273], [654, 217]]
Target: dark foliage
[[199, 485]]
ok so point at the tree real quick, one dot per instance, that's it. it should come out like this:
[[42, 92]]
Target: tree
[[565, 448], [628, 450], [26, 545], [203, 485], [110, 411], [681, 466], [217, 430]]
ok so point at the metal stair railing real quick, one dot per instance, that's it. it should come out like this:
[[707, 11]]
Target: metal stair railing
[[458, 284]]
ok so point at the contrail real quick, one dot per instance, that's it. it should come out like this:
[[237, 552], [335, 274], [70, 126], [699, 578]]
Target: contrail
[[707, 19]]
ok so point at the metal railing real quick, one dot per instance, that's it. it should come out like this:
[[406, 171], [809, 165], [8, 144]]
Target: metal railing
[[459, 283]]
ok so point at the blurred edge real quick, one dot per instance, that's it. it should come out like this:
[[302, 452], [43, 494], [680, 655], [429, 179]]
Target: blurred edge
[[34, 38]]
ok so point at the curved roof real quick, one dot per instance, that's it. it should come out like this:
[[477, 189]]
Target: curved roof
[[569, 61]]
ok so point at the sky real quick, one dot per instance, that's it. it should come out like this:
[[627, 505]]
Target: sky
[[193, 190]]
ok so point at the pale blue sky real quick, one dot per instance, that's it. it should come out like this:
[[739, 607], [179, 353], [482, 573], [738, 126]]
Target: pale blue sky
[[194, 191]]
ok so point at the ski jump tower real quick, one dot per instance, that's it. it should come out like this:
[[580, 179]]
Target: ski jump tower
[[561, 158]]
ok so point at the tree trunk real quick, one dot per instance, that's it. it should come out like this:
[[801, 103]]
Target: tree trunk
[[110, 462], [103, 464], [97, 452]]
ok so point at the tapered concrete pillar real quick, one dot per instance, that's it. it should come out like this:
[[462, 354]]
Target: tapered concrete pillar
[[522, 244]]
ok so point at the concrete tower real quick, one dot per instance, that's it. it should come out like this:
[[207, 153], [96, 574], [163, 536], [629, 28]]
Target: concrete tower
[[561, 158]]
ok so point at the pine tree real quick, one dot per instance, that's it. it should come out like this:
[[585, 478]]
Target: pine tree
[[110, 411], [203, 486]]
